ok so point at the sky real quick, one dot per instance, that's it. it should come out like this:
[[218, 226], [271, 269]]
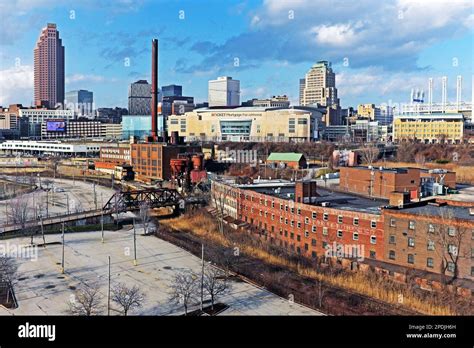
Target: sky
[[379, 50]]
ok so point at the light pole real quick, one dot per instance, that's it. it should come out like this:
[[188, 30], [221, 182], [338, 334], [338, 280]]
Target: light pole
[[102, 224], [108, 293], [202, 276], [62, 262], [134, 243]]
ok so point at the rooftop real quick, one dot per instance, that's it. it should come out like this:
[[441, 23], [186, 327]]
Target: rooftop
[[443, 210], [285, 189], [285, 156]]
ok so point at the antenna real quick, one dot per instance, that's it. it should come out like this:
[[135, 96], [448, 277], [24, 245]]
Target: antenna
[[444, 95], [430, 93], [458, 92]]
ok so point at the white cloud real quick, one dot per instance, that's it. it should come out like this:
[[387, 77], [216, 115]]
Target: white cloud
[[16, 85], [84, 78], [335, 35]]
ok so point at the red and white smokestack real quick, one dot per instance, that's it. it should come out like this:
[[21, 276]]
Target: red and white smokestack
[[154, 89]]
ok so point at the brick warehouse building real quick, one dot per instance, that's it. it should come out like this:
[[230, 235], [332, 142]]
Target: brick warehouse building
[[151, 161], [307, 228], [380, 182], [274, 209]]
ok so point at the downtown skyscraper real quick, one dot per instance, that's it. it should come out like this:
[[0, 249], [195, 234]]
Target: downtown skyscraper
[[49, 68], [319, 86]]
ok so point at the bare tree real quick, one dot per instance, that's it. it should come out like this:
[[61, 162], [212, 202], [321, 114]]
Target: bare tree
[[127, 298], [420, 159], [369, 154], [450, 242], [219, 195], [86, 302], [8, 272], [215, 283], [20, 214], [185, 289], [145, 215]]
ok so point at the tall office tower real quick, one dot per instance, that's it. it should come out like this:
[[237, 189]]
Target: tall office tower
[[139, 98], [302, 84], [320, 86], [49, 68], [172, 91], [81, 101], [224, 92]]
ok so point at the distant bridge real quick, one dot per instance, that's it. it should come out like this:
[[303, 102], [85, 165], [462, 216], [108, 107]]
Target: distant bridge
[[118, 203]]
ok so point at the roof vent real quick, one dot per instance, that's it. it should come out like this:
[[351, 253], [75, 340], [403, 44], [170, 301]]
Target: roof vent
[[325, 204]]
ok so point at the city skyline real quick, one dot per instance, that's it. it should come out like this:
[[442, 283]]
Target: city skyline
[[379, 52]]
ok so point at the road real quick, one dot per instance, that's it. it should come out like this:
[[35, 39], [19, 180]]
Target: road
[[43, 290]]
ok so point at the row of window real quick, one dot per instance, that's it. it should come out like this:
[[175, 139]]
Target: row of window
[[429, 261], [431, 227]]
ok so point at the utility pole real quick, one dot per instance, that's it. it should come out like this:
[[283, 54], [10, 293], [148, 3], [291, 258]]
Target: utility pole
[[42, 232], [108, 295], [62, 262], [102, 224], [202, 275], [67, 203], [95, 196], [134, 243]]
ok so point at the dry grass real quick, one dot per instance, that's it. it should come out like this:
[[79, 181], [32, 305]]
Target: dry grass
[[202, 225]]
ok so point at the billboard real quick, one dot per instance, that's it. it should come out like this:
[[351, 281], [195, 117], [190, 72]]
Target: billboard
[[55, 126]]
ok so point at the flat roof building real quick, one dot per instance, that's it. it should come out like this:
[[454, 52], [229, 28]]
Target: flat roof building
[[248, 124], [224, 91]]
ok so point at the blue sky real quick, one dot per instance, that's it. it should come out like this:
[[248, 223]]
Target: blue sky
[[389, 46]]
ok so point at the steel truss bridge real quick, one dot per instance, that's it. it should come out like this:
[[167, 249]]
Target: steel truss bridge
[[150, 198]]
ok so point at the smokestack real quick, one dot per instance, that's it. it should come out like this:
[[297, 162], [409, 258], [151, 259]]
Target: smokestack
[[154, 88]]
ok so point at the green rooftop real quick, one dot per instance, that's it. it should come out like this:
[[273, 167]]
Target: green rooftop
[[285, 156]]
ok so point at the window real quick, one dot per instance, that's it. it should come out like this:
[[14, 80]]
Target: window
[[306, 220], [431, 228], [452, 249], [355, 221], [391, 239], [281, 219], [298, 211], [373, 240], [313, 255], [451, 267], [313, 215], [306, 246], [292, 210], [411, 225], [325, 231], [292, 223], [298, 238], [393, 222], [391, 254], [286, 221], [313, 242], [281, 206], [339, 219], [292, 235], [273, 217], [313, 229], [429, 262], [411, 258], [339, 233], [411, 242], [373, 224], [298, 224], [306, 234], [451, 231], [325, 216], [372, 254], [355, 236], [431, 245], [325, 244]]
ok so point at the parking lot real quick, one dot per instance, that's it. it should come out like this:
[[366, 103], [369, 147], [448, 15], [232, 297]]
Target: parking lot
[[42, 289]]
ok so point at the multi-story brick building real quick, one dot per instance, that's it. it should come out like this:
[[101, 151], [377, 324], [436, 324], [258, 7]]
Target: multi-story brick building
[[382, 182], [305, 220], [152, 160], [312, 221], [433, 237]]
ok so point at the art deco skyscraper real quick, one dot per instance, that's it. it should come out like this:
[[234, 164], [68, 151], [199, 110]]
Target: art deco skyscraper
[[49, 67], [319, 86]]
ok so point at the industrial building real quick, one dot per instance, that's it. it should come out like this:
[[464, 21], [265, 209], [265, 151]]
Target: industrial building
[[248, 124], [382, 182], [429, 128], [366, 232]]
